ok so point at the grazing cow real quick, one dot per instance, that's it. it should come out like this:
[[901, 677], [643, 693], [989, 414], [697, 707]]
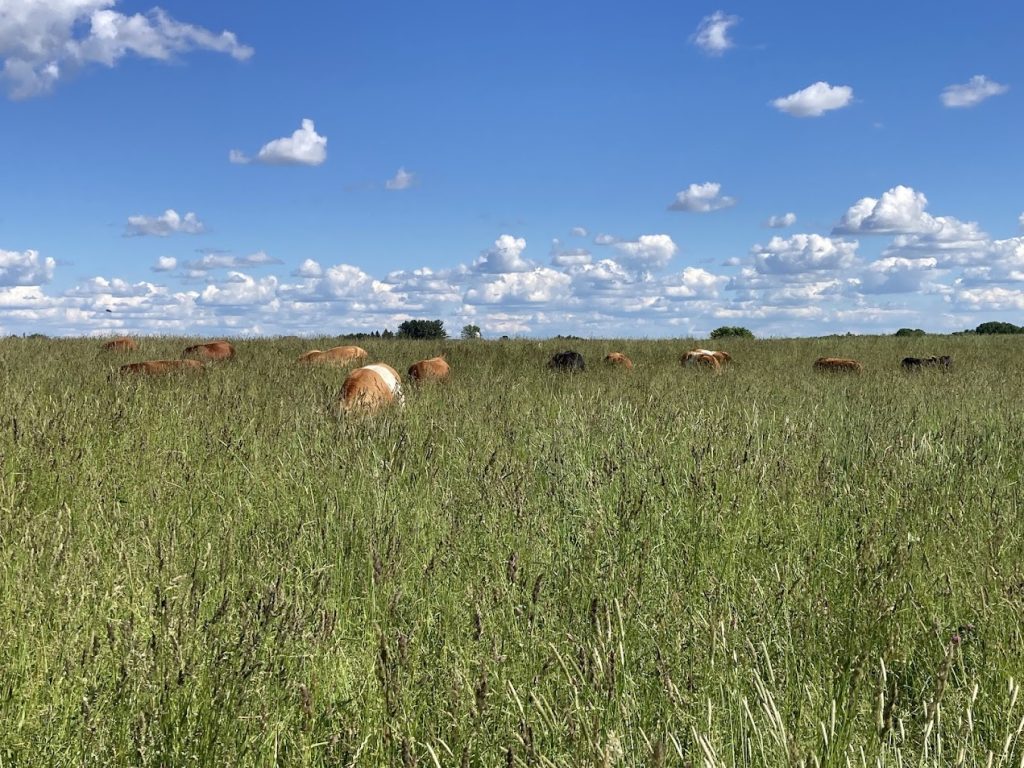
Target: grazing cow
[[916, 363], [121, 344], [371, 387], [161, 367], [214, 350], [334, 356], [696, 357], [837, 364], [567, 361], [617, 358], [435, 368]]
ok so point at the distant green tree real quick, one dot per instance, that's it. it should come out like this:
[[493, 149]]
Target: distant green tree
[[422, 329], [387, 334], [471, 332], [732, 330], [909, 332], [998, 327]]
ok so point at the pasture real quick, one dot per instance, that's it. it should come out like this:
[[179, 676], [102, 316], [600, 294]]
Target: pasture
[[767, 567]]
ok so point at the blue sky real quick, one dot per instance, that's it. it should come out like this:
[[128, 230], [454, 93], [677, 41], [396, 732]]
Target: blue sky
[[600, 169]]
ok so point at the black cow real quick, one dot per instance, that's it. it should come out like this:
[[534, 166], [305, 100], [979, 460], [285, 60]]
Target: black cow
[[567, 361], [916, 363]]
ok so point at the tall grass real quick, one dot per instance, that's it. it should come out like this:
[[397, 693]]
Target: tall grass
[[663, 567]]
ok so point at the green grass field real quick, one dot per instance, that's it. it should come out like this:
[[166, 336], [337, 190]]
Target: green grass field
[[665, 567]]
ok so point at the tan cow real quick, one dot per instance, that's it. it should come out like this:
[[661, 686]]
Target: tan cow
[[334, 356], [121, 344], [371, 387], [837, 364], [694, 356], [214, 350], [161, 367], [436, 369], [617, 358]]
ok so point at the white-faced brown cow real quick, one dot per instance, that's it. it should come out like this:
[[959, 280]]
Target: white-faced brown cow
[[434, 369], [619, 359], [698, 357], [838, 364], [370, 388]]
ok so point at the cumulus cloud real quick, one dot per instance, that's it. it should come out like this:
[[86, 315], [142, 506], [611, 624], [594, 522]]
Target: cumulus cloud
[[112, 288], [702, 198], [505, 256], [895, 274], [694, 282], [165, 264], [402, 179], [25, 268], [996, 298], [815, 100], [538, 286], [605, 239], [304, 147], [582, 231], [973, 92], [712, 35], [240, 290], [647, 251], [168, 223], [804, 253], [781, 222], [42, 41], [309, 268]]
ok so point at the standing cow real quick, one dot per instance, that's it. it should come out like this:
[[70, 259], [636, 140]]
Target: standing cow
[[371, 387], [567, 361]]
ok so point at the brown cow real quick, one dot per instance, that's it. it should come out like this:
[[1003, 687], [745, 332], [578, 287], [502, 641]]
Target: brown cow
[[161, 367], [837, 364], [334, 356], [214, 350], [617, 358], [371, 387], [436, 368], [695, 357], [120, 344]]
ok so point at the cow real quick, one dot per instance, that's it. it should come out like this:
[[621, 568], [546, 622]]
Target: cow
[[161, 367], [371, 387], [617, 358], [696, 357], [436, 368], [691, 360], [214, 350], [841, 364], [121, 344], [567, 361], [916, 363], [334, 356]]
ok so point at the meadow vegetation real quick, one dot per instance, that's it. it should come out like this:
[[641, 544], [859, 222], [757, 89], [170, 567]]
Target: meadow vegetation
[[769, 567]]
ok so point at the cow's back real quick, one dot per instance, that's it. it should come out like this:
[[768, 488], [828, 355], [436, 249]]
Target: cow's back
[[435, 368]]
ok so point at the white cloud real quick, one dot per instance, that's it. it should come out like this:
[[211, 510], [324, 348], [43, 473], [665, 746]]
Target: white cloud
[[815, 100], [402, 179], [582, 231], [712, 35], [25, 268], [240, 290], [803, 253], [1020, 221], [895, 274], [996, 298], [694, 282], [539, 286], [781, 222], [309, 268], [604, 239], [42, 41], [220, 260], [972, 93], [648, 251], [304, 147], [168, 223], [505, 256], [112, 288], [165, 264], [701, 198]]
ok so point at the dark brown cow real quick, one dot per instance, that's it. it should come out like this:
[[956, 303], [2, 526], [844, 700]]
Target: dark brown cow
[[436, 369], [915, 363], [840, 364], [214, 350], [617, 358], [121, 344], [371, 387], [161, 367]]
